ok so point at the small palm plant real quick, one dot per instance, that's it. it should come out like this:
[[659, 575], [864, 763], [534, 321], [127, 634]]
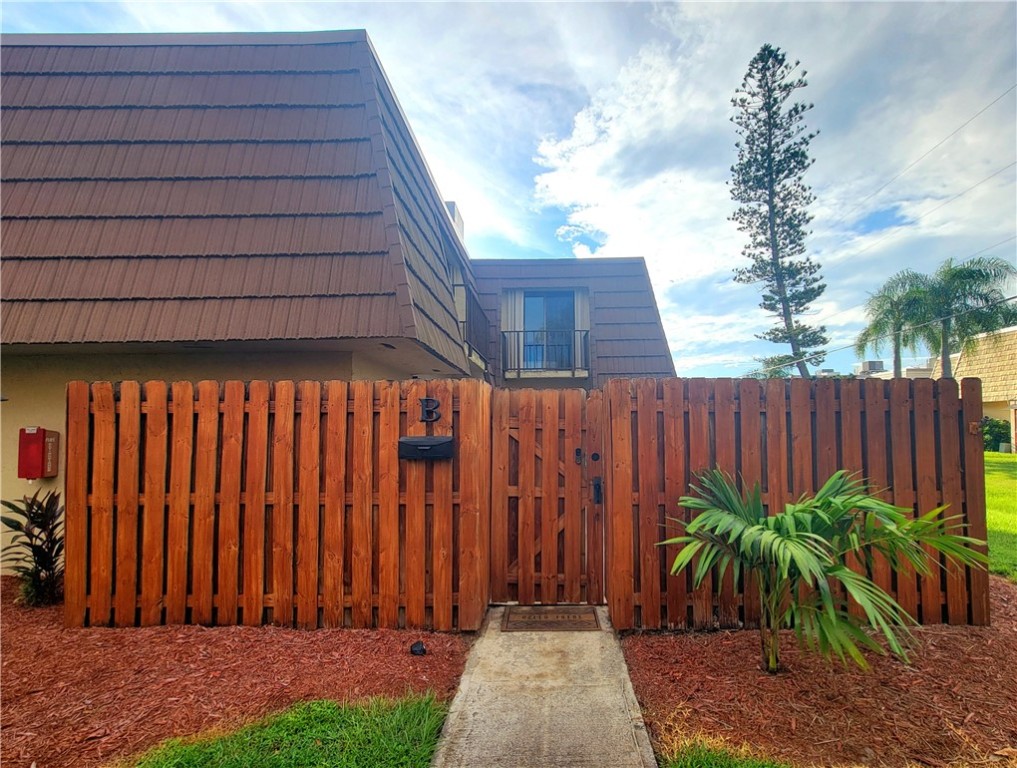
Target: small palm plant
[[38, 546], [798, 558]]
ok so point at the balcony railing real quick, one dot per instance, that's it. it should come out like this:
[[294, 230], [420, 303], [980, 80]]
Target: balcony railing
[[565, 353]]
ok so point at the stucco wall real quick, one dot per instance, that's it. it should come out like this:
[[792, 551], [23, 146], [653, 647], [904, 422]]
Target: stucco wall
[[35, 388]]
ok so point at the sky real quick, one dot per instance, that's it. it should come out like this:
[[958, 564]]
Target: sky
[[589, 130]]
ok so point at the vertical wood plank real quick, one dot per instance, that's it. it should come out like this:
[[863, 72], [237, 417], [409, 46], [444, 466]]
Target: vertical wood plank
[[650, 530], [876, 452], [76, 503], [974, 493], [308, 509], [750, 422], [473, 445], [203, 538], [442, 531], [128, 477], [801, 437], [620, 539], [776, 445], [103, 470], [282, 506], [573, 409], [361, 519], [228, 557], [724, 436], [499, 495], [549, 498], [153, 529], [333, 531], [256, 478], [851, 418], [931, 598], [950, 456], [903, 482], [177, 529], [388, 504], [826, 429], [416, 513], [699, 460], [527, 506], [595, 544], [675, 486]]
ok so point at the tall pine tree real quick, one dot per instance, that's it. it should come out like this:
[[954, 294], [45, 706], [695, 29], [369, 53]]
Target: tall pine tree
[[767, 182]]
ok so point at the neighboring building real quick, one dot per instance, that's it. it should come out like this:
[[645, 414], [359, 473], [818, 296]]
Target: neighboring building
[[994, 361], [874, 369], [255, 206]]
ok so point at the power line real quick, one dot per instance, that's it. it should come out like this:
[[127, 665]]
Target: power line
[[874, 243], [928, 152], [965, 258], [825, 352]]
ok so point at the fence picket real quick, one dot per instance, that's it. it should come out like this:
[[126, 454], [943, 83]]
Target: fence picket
[[334, 528], [362, 458], [950, 418], [178, 527], [699, 460], [649, 530], [572, 565], [76, 503], [974, 493], [153, 517], [675, 486], [206, 455], [388, 505], [903, 480], [725, 450], [441, 550], [931, 596], [228, 558], [597, 464], [256, 477], [416, 514], [620, 570], [527, 506], [103, 471], [282, 503], [549, 497], [128, 474], [500, 409], [308, 506]]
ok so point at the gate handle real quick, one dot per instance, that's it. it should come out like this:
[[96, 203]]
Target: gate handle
[[598, 491]]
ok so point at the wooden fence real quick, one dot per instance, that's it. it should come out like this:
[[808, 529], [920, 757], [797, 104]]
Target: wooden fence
[[227, 503], [916, 442], [283, 503]]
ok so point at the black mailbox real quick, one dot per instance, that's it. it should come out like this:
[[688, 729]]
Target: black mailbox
[[426, 448]]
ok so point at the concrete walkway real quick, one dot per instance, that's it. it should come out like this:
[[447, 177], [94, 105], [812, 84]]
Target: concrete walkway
[[544, 700]]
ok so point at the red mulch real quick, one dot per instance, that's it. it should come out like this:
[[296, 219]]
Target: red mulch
[[955, 705], [83, 697]]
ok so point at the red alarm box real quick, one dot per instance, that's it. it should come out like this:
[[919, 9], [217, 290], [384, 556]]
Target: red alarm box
[[38, 453]]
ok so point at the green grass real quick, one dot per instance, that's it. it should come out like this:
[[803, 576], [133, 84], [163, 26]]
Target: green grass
[[1001, 512], [377, 734], [703, 756]]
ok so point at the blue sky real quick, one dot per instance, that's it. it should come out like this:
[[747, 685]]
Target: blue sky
[[593, 130]]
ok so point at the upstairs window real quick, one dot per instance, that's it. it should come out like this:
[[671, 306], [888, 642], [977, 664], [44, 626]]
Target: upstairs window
[[545, 332]]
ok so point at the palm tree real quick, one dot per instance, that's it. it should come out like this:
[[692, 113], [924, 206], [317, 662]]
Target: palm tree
[[891, 310], [798, 557], [960, 301]]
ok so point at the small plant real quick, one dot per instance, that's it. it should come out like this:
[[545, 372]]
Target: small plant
[[798, 558], [994, 432], [37, 546]]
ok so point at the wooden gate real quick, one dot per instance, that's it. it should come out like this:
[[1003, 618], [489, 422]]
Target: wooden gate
[[547, 513]]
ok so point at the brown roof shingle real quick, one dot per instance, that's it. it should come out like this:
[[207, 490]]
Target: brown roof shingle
[[211, 187]]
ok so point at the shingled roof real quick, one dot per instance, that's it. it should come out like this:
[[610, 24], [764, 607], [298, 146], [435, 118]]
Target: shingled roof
[[993, 360], [192, 188]]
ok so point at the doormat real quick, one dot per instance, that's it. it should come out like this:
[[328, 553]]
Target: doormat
[[550, 618]]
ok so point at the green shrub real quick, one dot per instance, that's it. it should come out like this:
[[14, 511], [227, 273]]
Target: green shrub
[[798, 556], [994, 432], [37, 546]]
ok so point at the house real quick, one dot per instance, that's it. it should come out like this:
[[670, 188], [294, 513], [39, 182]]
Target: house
[[994, 361], [255, 206]]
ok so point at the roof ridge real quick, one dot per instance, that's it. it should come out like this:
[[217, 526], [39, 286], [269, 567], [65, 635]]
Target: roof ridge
[[149, 39]]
